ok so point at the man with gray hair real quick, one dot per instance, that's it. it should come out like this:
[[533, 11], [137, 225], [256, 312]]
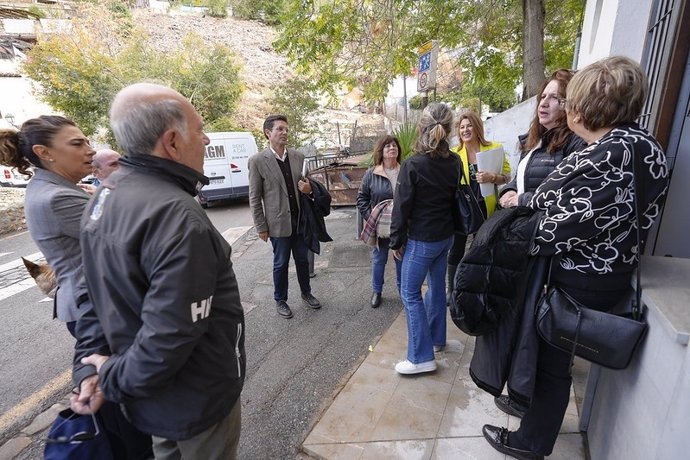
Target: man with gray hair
[[104, 163], [164, 334]]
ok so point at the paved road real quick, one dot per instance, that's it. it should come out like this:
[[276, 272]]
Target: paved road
[[296, 366], [36, 350]]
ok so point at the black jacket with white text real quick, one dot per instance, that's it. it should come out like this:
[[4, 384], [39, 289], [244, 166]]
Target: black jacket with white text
[[163, 301]]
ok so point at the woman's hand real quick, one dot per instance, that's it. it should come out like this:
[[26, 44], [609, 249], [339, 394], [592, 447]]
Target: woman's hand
[[509, 199], [485, 177], [398, 253]]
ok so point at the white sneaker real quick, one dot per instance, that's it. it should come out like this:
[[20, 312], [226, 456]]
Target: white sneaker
[[438, 348], [406, 367]]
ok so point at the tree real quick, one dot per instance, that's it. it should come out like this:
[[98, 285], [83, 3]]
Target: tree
[[79, 73], [369, 42], [296, 99], [532, 46]]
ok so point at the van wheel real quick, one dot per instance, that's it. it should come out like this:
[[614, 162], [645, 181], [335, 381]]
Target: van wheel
[[204, 205]]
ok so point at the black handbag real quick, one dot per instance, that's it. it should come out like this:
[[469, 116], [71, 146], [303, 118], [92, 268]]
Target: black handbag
[[469, 214], [607, 338]]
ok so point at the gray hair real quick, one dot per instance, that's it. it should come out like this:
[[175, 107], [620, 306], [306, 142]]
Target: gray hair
[[138, 126], [434, 128]]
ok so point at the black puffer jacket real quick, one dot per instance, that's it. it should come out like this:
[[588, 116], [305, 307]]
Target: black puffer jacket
[[375, 188], [489, 275], [541, 163], [496, 282]]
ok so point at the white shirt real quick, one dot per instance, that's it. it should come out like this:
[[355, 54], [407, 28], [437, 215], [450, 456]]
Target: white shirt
[[277, 154]]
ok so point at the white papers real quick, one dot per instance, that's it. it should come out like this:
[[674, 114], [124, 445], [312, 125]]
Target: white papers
[[490, 161]]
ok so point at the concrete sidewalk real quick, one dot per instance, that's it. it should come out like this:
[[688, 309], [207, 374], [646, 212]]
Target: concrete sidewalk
[[380, 414]]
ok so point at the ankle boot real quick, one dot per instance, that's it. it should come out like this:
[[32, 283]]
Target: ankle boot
[[450, 282]]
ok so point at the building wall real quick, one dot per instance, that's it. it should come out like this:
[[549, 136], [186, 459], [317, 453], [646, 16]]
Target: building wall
[[19, 100], [613, 27], [508, 125]]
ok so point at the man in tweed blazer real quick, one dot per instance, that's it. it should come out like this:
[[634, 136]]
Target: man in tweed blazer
[[275, 178]]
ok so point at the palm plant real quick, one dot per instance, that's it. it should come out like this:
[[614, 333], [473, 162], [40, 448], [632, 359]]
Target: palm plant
[[407, 136]]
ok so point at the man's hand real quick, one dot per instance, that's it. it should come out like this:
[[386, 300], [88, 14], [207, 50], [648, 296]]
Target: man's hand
[[96, 360], [509, 199], [88, 188], [304, 186], [89, 398], [263, 236]]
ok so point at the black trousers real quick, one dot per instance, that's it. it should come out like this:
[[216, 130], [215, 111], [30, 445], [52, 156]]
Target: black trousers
[[542, 421]]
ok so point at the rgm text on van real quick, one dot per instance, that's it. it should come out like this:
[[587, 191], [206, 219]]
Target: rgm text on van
[[218, 151]]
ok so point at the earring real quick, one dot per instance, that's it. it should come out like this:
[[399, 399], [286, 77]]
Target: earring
[[51, 159]]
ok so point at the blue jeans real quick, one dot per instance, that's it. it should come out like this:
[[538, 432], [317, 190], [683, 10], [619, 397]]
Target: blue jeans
[[426, 318], [379, 258], [282, 247]]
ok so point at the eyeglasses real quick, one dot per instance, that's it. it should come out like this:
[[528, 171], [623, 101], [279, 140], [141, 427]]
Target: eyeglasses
[[550, 97], [78, 437]]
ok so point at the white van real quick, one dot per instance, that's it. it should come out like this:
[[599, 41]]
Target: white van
[[226, 164]]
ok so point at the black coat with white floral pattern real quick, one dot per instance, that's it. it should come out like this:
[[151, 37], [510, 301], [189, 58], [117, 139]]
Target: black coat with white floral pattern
[[588, 202]]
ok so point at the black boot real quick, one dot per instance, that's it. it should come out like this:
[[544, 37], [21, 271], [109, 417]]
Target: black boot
[[450, 282]]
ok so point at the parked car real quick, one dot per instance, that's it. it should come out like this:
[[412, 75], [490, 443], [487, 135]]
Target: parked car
[[9, 177]]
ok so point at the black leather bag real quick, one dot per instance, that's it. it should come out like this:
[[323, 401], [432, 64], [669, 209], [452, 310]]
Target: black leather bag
[[608, 338], [605, 338], [469, 216]]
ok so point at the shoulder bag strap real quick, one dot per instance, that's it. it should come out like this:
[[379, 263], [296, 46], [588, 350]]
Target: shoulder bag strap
[[637, 308]]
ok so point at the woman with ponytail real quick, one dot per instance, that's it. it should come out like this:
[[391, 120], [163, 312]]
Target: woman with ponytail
[[422, 233], [60, 155]]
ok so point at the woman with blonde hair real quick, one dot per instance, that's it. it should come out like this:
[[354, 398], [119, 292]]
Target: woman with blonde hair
[[589, 227], [470, 131], [422, 232]]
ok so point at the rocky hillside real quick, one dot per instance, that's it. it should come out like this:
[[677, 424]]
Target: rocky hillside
[[262, 67]]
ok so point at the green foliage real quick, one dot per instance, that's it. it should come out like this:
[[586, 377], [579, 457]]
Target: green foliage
[[79, 73], [36, 12], [407, 136], [297, 100], [415, 102], [267, 11], [367, 43], [217, 8]]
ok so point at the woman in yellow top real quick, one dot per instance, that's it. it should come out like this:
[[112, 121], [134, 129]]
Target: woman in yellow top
[[470, 131]]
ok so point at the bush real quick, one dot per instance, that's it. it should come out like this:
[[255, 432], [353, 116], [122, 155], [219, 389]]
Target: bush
[[217, 8]]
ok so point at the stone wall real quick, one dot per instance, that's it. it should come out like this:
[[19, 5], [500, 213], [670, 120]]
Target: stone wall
[[11, 210]]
